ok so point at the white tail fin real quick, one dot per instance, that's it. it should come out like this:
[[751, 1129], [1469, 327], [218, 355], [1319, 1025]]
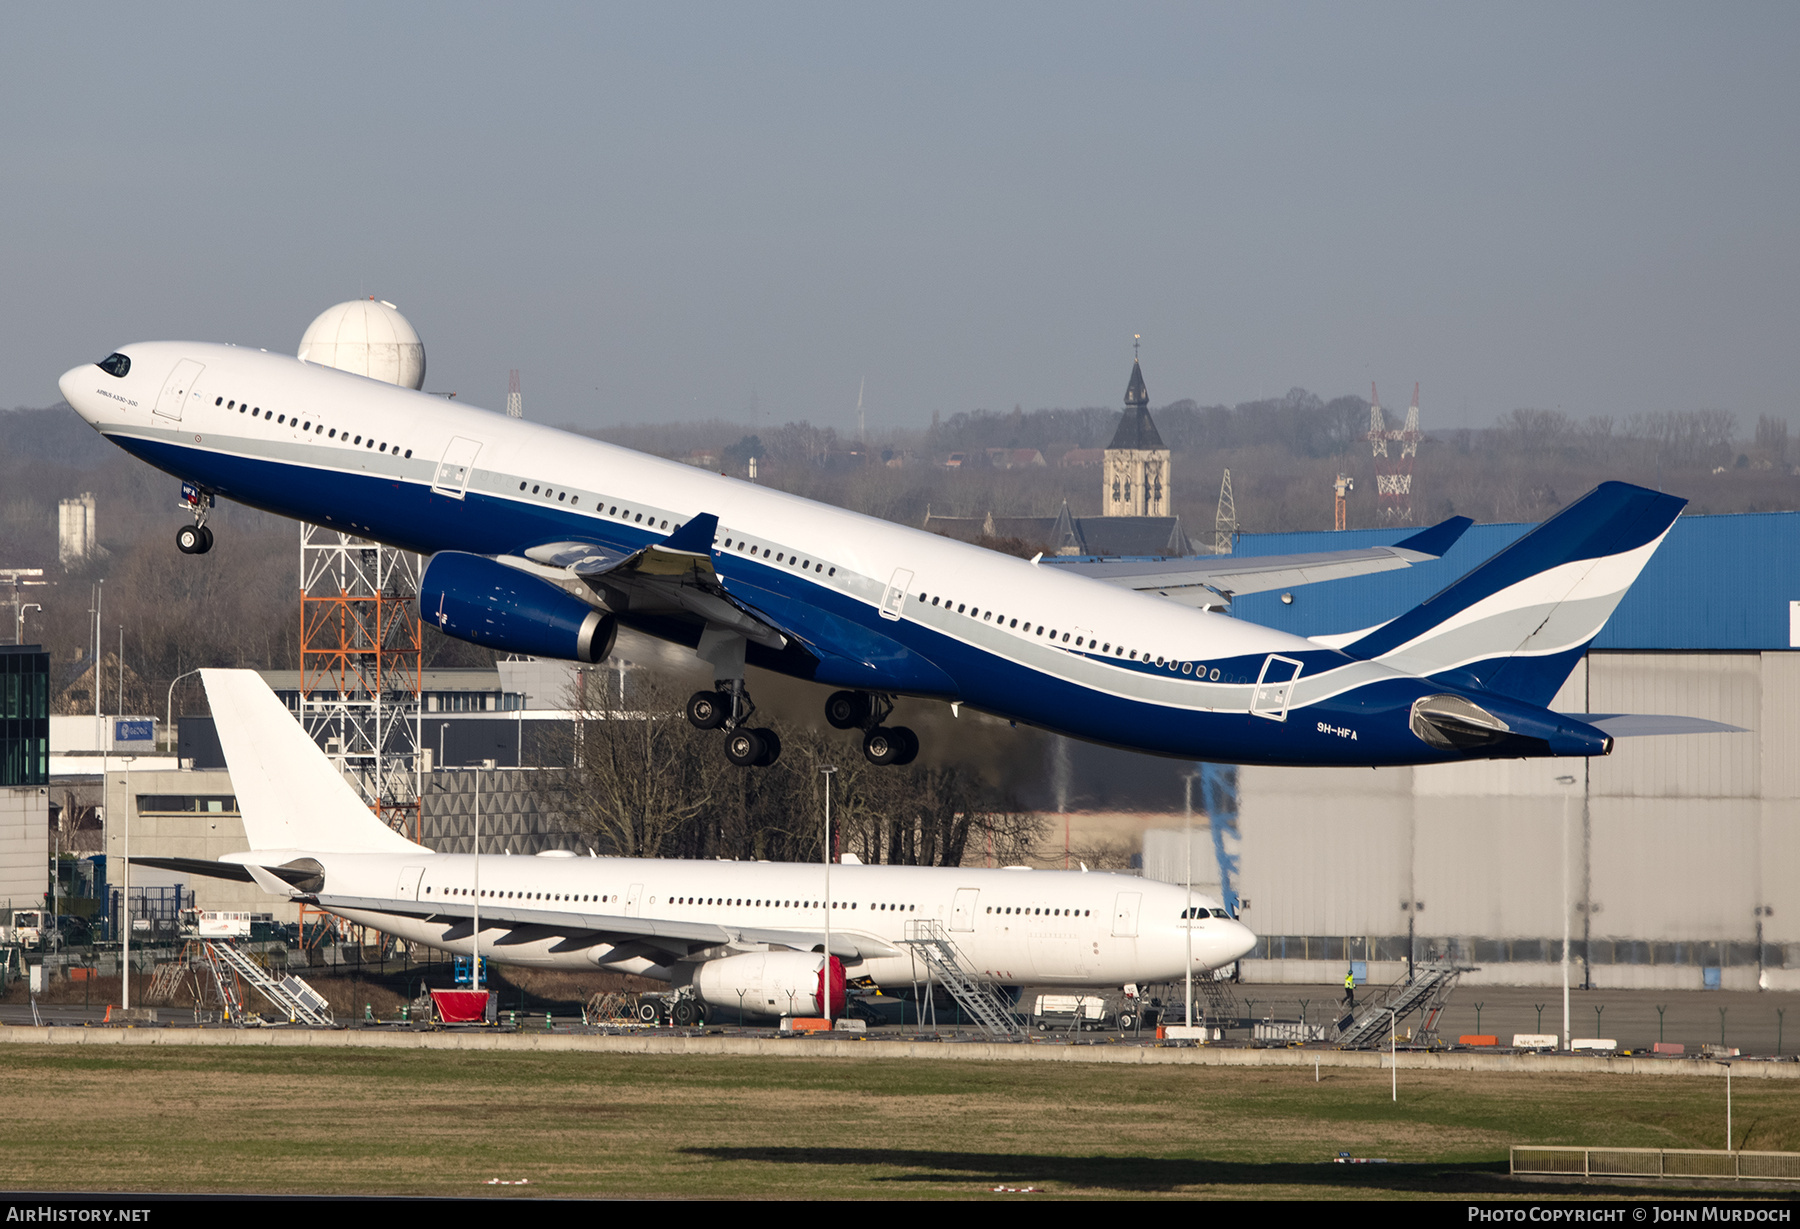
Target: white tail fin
[[288, 792]]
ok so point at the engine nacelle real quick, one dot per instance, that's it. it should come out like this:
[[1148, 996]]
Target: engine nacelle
[[473, 598], [770, 984]]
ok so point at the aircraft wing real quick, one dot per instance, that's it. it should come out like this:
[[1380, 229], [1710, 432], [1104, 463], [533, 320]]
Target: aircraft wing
[[579, 930], [674, 575], [1212, 581]]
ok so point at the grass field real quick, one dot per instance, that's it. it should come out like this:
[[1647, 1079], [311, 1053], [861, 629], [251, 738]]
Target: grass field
[[445, 1123]]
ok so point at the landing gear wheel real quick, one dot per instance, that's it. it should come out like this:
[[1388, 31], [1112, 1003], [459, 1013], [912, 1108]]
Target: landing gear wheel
[[745, 747], [1127, 1021], [649, 1012], [911, 751], [707, 710], [205, 539], [847, 710], [771, 748], [882, 746], [685, 1013], [193, 540]]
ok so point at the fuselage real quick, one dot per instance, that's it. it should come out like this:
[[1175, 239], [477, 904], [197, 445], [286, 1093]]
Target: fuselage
[[1013, 927], [865, 604]]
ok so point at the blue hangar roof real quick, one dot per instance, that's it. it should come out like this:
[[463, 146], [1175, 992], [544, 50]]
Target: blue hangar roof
[[1716, 583]]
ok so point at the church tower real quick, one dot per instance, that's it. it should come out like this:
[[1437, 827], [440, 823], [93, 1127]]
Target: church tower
[[1135, 479]]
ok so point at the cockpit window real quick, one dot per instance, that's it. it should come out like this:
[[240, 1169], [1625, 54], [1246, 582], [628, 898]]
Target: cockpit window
[[114, 365]]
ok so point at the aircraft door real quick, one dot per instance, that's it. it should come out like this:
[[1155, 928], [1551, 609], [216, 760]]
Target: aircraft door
[[1125, 914], [1275, 687], [453, 471], [634, 895], [408, 887], [962, 910], [893, 602], [177, 387]]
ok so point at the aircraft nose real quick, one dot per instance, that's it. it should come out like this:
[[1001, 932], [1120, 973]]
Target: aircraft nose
[[1243, 940], [73, 381]]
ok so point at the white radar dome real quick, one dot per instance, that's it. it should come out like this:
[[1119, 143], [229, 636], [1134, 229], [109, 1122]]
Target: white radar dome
[[368, 337]]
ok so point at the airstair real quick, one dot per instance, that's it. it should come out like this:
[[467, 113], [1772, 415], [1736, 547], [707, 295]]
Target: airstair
[[231, 968], [933, 945], [1426, 993]]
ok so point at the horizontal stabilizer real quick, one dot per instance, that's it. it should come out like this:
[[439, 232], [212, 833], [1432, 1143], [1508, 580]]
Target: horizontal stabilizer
[[1650, 725], [1213, 580]]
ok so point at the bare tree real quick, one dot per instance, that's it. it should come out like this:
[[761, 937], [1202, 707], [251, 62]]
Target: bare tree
[[636, 778]]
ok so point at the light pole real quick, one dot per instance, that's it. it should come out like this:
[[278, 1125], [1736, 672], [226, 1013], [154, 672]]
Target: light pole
[[825, 977], [1187, 845], [1394, 1052], [169, 707], [19, 637], [125, 999], [475, 937], [1567, 795]]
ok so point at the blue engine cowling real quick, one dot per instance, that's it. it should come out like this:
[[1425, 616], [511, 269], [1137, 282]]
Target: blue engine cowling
[[473, 598]]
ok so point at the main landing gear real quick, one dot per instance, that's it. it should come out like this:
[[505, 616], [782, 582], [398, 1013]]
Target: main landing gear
[[730, 708], [195, 539], [864, 710]]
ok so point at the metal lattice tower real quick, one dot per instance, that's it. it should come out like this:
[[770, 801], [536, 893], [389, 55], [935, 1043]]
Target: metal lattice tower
[[1227, 524], [362, 666], [1393, 481], [515, 401]]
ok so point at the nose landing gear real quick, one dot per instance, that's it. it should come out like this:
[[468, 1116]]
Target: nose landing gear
[[195, 539]]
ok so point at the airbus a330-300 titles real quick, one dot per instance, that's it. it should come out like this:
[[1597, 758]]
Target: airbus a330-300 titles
[[545, 543]]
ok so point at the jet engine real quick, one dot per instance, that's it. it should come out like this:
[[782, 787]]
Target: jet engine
[[782, 983], [473, 598]]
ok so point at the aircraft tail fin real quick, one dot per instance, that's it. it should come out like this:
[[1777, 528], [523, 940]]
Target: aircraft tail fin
[[1517, 624], [290, 796]]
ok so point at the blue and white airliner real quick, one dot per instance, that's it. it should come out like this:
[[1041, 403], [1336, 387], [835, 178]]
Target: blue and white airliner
[[543, 542]]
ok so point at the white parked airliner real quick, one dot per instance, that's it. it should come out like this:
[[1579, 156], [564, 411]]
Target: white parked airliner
[[736, 935]]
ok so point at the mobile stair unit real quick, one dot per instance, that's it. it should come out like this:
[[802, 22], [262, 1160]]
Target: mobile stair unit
[[230, 968], [933, 945], [1426, 993]]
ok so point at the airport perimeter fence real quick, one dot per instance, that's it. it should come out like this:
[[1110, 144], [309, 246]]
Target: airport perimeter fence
[[1565, 1162]]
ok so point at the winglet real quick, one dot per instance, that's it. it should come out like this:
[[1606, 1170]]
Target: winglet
[[695, 537], [1438, 539]]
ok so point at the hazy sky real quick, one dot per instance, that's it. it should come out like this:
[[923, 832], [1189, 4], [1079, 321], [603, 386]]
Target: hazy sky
[[662, 211]]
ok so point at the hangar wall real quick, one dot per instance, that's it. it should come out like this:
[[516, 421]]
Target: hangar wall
[[1682, 851]]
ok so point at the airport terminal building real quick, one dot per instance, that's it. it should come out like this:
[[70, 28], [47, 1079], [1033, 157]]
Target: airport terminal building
[[1678, 857]]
